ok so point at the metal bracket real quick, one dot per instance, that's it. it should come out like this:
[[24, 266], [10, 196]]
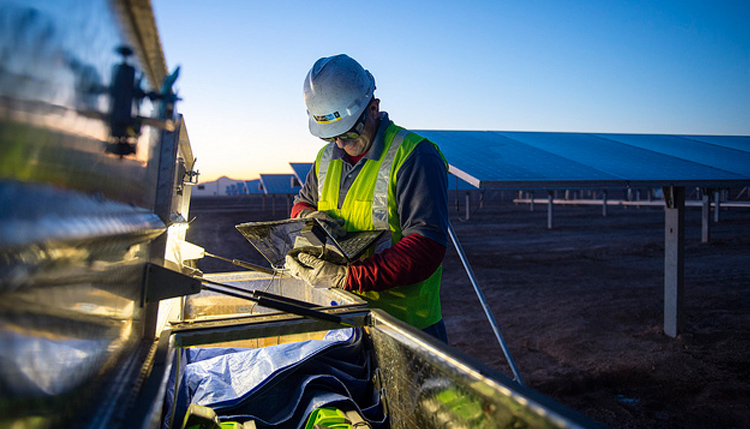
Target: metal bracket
[[161, 283], [184, 176], [126, 95]]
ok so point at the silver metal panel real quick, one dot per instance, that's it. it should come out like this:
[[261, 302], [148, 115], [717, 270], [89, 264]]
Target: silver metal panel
[[77, 224], [428, 385], [51, 125], [691, 149], [278, 184]]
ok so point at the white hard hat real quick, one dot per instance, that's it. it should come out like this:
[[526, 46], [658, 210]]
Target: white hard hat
[[337, 91]]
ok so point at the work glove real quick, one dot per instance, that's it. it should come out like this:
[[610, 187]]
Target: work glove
[[317, 272], [334, 226]]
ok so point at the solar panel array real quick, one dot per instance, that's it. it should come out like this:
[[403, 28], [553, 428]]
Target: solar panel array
[[518, 160]]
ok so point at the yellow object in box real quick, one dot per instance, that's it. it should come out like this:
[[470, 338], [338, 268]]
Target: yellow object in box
[[328, 417], [200, 417]]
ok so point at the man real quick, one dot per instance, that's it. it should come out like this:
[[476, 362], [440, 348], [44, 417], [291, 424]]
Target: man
[[373, 174]]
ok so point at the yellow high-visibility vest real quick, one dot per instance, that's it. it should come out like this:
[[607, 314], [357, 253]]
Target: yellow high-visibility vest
[[370, 204]]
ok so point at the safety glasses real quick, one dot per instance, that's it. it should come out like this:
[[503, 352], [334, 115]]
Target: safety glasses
[[354, 132]]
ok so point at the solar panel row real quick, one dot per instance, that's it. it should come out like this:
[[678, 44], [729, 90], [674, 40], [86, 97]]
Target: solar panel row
[[517, 160]]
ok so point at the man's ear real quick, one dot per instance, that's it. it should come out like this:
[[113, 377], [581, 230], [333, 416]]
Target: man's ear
[[374, 108]]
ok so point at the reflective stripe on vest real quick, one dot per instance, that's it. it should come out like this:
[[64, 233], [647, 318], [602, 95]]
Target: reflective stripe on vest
[[380, 196], [325, 159]]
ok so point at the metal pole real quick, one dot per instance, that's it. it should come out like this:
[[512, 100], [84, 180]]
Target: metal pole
[[468, 204], [550, 206], [706, 216], [674, 259], [485, 306], [717, 205]]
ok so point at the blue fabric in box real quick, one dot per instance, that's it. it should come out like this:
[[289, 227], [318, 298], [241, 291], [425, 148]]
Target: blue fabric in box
[[281, 385]]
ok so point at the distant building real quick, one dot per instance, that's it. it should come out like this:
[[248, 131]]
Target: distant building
[[223, 186]]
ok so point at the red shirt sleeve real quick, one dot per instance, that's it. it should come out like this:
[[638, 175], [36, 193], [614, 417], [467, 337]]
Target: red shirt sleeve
[[298, 208], [413, 259]]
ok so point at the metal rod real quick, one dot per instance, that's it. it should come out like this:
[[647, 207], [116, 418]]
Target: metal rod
[[281, 306], [243, 264], [485, 306], [261, 294]]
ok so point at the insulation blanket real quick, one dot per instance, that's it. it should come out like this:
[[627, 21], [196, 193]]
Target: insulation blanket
[[279, 385]]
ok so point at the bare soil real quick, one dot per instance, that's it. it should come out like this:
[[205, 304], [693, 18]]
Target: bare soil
[[580, 306]]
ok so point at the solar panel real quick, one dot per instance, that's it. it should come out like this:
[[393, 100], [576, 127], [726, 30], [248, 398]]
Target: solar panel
[[253, 186], [301, 169], [692, 149], [496, 161], [741, 143], [503, 159], [278, 184]]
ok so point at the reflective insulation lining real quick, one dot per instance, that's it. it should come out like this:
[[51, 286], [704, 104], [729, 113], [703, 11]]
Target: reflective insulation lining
[[71, 311], [77, 223]]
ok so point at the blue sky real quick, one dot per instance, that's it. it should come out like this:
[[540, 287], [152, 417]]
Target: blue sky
[[672, 67]]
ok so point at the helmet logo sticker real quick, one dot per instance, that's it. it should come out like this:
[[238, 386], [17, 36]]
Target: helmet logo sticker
[[327, 119]]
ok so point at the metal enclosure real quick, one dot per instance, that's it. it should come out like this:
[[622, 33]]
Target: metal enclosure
[[90, 181], [423, 383]]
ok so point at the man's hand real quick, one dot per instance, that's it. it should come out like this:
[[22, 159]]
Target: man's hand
[[317, 272], [334, 226]]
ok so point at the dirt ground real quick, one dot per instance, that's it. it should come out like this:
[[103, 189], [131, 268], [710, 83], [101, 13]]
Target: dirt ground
[[580, 306]]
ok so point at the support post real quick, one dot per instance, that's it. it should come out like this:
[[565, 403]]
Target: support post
[[717, 204], [531, 198], [706, 216], [550, 205], [604, 203], [674, 259], [468, 205]]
